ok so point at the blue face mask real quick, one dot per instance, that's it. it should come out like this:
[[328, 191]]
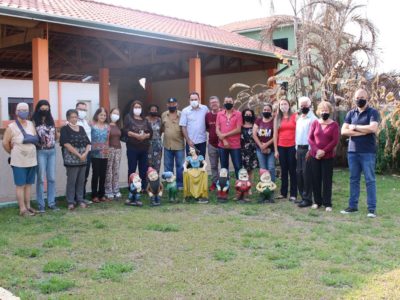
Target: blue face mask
[[23, 114]]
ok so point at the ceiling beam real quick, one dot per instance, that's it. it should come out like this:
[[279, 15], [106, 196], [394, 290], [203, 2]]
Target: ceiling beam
[[21, 38], [18, 22], [115, 50]]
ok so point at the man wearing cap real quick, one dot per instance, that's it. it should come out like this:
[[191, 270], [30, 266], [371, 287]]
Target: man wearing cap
[[193, 124], [303, 168], [213, 156], [173, 141]]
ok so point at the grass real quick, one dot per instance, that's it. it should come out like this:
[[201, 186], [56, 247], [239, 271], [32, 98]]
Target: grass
[[193, 251]]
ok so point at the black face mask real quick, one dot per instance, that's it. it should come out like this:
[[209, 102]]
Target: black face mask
[[43, 113], [228, 106], [153, 113], [361, 102], [325, 116], [267, 114], [248, 119], [305, 110], [172, 108]]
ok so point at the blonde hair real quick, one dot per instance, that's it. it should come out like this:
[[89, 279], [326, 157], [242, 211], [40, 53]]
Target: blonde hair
[[324, 104]]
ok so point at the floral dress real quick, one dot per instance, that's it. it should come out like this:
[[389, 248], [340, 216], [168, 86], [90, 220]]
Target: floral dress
[[155, 151], [248, 151]]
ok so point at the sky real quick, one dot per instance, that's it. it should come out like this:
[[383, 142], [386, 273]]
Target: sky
[[383, 13]]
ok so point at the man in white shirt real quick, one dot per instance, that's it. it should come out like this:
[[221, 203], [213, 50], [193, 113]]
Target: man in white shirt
[[303, 168], [193, 124]]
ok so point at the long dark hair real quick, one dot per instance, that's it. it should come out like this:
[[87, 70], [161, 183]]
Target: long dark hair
[[99, 111], [37, 118], [253, 116]]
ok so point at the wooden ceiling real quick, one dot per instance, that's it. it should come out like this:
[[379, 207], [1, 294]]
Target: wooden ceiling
[[75, 53]]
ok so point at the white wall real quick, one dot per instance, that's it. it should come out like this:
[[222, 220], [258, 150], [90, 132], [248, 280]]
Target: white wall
[[70, 93]]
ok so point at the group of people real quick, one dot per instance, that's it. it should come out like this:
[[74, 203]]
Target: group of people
[[303, 142]]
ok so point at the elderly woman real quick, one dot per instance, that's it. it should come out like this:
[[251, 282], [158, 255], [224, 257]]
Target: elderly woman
[[19, 140], [323, 138], [75, 148]]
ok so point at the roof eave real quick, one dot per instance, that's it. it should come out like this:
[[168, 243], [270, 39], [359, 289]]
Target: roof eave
[[36, 16]]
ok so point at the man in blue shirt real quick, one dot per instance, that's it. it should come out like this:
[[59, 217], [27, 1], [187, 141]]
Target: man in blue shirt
[[193, 123], [360, 125]]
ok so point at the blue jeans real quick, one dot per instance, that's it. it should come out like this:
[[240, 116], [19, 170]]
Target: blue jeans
[[235, 156], [362, 162], [201, 147], [179, 156], [267, 162], [46, 169], [138, 158]]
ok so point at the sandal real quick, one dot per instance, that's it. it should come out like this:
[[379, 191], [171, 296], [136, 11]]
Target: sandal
[[96, 200], [32, 210], [26, 213], [83, 205], [71, 207], [104, 199]]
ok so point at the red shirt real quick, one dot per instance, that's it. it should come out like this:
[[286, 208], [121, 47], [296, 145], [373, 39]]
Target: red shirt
[[287, 132], [228, 124], [210, 127], [323, 138]]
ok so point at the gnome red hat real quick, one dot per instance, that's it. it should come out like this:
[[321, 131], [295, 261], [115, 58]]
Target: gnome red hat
[[149, 170], [262, 171]]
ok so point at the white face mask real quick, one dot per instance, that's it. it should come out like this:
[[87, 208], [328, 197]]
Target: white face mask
[[137, 111], [194, 103], [81, 114], [284, 109], [114, 117]]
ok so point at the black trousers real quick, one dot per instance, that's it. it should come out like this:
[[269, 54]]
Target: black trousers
[[287, 160], [322, 172], [304, 175], [99, 170]]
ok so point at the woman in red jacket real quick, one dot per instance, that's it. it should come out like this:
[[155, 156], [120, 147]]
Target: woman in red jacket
[[323, 138]]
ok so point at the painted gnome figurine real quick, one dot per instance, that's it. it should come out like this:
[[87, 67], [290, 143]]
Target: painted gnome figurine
[[243, 186], [223, 185], [171, 188], [266, 187], [154, 187], [135, 187]]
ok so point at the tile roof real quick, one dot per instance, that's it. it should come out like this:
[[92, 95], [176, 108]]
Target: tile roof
[[255, 24], [131, 19]]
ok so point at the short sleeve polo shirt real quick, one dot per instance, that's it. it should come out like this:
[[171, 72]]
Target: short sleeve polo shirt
[[365, 143]]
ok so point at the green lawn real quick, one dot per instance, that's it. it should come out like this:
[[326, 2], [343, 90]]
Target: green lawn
[[185, 251]]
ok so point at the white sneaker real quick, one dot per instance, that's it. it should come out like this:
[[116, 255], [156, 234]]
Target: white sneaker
[[314, 206], [109, 196], [118, 195], [371, 214], [328, 208]]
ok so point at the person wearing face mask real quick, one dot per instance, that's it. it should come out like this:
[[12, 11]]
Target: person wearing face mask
[[247, 143], [19, 141], [138, 131], [46, 155], [303, 168], [155, 150], [173, 141], [284, 148], [81, 108], [263, 131], [323, 139], [193, 124], [361, 125], [114, 156], [228, 127], [213, 155]]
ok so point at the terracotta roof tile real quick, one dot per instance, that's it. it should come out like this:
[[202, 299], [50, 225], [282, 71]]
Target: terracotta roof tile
[[255, 24], [87, 10]]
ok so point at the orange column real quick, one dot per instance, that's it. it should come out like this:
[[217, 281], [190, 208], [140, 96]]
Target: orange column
[[104, 86], [195, 75], [40, 69], [149, 91]]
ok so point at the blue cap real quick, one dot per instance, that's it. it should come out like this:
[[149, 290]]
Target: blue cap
[[172, 100]]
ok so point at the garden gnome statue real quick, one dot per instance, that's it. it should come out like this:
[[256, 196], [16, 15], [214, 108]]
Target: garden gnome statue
[[266, 187], [223, 185], [243, 186], [171, 188], [135, 187], [154, 187]]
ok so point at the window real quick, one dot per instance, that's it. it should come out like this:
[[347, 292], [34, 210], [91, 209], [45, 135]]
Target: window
[[281, 43], [12, 105]]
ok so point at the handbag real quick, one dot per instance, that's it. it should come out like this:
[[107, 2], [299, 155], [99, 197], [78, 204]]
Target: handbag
[[28, 138]]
